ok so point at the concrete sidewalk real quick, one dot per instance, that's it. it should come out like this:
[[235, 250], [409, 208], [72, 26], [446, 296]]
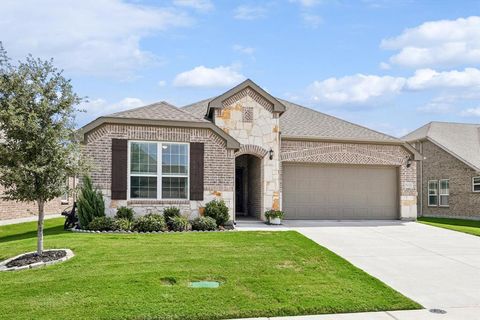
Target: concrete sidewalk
[[452, 314], [27, 219]]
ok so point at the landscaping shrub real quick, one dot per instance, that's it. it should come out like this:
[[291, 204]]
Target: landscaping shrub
[[179, 223], [90, 203], [217, 210], [272, 214], [124, 224], [150, 222], [204, 224], [103, 224], [125, 213], [169, 214]]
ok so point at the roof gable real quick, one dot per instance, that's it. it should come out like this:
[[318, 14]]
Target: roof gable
[[227, 98], [461, 140]]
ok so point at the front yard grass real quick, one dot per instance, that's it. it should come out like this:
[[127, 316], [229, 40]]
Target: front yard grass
[[146, 277], [462, 225]]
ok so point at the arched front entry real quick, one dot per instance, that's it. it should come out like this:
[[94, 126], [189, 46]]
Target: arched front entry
[[248, 186]]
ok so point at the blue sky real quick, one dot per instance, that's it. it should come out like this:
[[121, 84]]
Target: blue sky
[[389, 65]]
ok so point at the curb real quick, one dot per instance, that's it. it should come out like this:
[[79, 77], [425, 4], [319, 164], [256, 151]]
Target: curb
[[3, 264]]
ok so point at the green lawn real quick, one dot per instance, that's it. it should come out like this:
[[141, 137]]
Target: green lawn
[[120, 277], [462, 225]]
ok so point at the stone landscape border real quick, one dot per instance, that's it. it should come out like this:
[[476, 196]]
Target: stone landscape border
[[3, 264], [152, 232]]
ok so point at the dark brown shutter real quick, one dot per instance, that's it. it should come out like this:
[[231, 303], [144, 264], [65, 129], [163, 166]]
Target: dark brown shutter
[[196, 171], [119, 169]]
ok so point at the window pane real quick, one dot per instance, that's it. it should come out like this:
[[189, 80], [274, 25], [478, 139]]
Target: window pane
[[476, 180], [476, 187], [444, 187], [143, 158], [143, 187], [174, 159], [433, 187], [444, 200], [174, 188], [432, 200]]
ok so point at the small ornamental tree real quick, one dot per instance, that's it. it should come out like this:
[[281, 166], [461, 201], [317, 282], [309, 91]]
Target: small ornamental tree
[[38, 150], [90, 203]]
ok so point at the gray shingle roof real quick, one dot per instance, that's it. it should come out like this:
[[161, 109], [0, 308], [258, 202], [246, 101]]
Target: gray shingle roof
[[158, 111], [302, 122], [462, 140]]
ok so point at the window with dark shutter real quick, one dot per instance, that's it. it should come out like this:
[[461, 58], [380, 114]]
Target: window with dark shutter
[[119, 169], [196, 171]]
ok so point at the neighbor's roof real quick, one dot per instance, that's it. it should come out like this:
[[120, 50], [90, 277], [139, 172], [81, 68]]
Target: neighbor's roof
[[461, 140], [161, 113], [305, 123]]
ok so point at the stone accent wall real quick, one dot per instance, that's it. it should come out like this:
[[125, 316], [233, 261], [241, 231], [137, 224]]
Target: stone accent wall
[[218, 171], [360, 154], [257, 137], [439, 164], [13, 209]]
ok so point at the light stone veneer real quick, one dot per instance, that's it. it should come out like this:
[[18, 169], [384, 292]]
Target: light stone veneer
[[262, 132]]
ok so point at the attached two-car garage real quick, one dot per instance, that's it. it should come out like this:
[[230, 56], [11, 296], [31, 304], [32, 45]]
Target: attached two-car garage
[[339, 192]]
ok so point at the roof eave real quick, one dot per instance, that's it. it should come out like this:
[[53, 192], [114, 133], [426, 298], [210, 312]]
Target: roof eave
[[230, 141]]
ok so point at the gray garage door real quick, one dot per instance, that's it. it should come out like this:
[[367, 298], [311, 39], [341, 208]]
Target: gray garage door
[[331, 192]]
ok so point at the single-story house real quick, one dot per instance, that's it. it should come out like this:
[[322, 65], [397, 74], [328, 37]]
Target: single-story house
[[254, 151], [449, 175]]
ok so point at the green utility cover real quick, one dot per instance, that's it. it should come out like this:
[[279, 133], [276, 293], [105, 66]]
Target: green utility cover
[[204, 284]]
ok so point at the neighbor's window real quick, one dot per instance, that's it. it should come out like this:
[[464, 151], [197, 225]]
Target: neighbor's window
[[476, 184], [158, 170], [432, 192], [444, 192]]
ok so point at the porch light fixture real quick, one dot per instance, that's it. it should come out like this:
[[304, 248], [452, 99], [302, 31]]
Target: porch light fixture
[[270, 154], [409, 162]]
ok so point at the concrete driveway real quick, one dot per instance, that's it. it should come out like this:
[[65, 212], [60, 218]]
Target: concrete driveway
[[436, 267]]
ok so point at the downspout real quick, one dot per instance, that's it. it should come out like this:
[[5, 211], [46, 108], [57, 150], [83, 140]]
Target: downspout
[[421, 179]]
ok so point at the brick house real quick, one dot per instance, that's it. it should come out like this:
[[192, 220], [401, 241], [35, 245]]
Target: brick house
[[449, 175], [254, 151]]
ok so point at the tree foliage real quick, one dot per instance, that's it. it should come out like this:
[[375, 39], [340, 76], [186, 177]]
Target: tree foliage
[[38, 150], [90, 203]]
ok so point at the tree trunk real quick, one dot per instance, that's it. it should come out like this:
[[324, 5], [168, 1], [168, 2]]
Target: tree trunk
[[41, 215]]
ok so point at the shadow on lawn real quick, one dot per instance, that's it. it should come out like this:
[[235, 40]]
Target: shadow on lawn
[[53, 230]]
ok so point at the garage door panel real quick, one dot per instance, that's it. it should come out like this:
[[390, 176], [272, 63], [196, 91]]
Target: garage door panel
[[339, 192]]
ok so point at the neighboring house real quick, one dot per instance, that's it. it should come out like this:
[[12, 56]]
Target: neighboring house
[[449, 176], [254, 151]]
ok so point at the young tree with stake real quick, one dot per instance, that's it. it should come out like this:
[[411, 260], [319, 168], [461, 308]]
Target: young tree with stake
[[38, 149]]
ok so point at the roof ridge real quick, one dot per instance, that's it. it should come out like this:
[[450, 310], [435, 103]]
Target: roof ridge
[[337, 118], [189, 113], [142, 107], [453, 122]]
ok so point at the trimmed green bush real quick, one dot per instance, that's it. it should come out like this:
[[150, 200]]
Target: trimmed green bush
[[217, 210], [103, 224], [149, 223], [90, 203], [272, 214], [180, 224], [124, 224], [125, 213], [169, 214], [204, 224]]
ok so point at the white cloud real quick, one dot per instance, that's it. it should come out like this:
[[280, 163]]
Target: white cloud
[[200, 5], [437, 44], [100, 107], [162, 83], [86, 37], [307, 3], [248, 12], [384, 66], [201, 76], [471, 112], [436, 106], [312, 20], [358, 88], [428, 79], [243, 49]]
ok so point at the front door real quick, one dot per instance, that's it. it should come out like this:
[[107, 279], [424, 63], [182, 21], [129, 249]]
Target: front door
[[239, 191]]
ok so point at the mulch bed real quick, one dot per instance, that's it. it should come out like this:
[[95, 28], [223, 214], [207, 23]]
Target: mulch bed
[[30, 258]]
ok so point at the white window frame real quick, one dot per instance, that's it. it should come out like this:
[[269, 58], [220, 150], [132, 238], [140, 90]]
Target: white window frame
[[440, 194], [475, 184], [159, 174], [436, 193]]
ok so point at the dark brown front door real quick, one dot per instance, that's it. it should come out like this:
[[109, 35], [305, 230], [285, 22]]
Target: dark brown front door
[[239, 190]]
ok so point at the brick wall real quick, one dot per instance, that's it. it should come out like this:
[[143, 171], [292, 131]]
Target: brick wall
[[362, 154], [218, 169], [441, 165]]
